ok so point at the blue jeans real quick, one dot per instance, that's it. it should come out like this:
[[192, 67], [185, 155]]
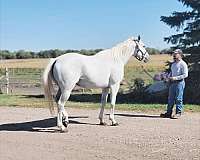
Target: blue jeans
[[176, 90]]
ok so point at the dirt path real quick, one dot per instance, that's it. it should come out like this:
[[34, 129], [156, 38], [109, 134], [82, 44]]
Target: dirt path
[[29, 133]]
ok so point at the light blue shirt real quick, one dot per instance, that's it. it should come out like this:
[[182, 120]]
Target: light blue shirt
[[179, 70]]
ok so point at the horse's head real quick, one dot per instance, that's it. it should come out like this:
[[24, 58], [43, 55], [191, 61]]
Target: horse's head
[[140, 52]]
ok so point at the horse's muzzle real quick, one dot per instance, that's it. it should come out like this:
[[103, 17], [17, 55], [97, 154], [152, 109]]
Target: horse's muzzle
[[146, 60]]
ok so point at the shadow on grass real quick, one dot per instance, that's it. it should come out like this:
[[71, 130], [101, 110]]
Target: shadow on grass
[[128, 98]]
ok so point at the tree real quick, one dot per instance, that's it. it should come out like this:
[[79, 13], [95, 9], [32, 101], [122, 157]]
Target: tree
[[152, 51], [21, 54], [5, 54], [187, 24]]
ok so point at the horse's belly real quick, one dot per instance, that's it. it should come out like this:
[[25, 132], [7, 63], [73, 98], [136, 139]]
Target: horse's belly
[[92, 84]]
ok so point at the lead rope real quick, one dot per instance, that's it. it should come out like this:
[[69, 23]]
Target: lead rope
[[147, 73]]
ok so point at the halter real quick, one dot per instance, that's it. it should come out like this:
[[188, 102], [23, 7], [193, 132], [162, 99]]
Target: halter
[[139, 50]]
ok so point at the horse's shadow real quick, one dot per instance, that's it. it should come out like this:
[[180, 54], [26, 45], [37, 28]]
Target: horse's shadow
[[44, 125]]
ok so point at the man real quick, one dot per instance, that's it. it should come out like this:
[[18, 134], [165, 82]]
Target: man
[[179, 71]]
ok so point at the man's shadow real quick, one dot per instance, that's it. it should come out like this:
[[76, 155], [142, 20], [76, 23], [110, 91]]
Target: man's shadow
[[43, 125], [137, 115]]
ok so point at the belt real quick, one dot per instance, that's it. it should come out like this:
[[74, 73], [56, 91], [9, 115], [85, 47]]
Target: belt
[[176, 81]]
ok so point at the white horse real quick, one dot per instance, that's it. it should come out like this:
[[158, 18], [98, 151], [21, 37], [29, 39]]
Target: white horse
[[104, 70]]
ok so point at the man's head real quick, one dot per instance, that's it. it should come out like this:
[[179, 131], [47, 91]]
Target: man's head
[[177, 54]]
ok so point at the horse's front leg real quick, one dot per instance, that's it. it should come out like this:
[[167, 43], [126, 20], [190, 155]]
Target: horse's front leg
[[114, 90], [104, 97]]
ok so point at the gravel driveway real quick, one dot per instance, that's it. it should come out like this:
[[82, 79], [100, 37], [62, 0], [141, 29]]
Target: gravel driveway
[[31, 134]]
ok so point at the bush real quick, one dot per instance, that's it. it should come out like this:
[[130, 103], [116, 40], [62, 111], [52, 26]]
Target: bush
[[138, 83], [152, 51], [23, 54], [4, 54]]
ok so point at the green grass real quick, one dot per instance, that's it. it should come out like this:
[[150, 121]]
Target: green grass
[[25, 101]]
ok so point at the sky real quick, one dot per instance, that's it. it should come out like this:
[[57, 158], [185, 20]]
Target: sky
[[36, 25]]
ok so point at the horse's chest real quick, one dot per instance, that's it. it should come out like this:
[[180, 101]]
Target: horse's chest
[[116, 75]]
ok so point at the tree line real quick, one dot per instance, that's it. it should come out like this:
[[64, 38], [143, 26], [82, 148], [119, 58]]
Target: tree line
[[52, 53]]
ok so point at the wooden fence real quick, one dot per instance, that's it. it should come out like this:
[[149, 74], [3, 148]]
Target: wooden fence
[[12, 78], [25, 81]]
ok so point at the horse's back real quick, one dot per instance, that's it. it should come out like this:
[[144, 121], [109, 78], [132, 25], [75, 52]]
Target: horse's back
[[70, 57], [87, 71]]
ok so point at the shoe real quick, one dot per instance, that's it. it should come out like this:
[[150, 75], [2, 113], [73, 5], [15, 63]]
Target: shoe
[[176, 116], [165, 115]]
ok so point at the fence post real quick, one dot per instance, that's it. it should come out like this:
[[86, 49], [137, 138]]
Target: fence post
[[0, 88], [7, 81]]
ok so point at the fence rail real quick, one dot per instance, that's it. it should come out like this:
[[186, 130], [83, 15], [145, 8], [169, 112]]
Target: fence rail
[[25, 81], [11, 78]]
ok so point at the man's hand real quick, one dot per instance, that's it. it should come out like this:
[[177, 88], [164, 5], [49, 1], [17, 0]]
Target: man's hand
[[172, 79]]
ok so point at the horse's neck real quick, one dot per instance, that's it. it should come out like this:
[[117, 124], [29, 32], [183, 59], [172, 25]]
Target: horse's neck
[[126, 57], [122, 55]]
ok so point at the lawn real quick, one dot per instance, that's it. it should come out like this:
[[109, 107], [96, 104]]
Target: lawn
[[39, 101]]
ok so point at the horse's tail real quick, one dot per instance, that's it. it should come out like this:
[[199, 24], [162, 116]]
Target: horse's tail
[[48, 83]]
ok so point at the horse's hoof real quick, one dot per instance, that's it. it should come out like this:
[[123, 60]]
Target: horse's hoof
[[115, 124], [62, 129], [103, 124]]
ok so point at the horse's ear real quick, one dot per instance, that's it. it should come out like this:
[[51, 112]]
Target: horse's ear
[[139, 38]]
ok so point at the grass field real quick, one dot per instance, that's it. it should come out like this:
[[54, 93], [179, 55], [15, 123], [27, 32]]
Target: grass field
[[27, 101], [24, 63], [156, 62]]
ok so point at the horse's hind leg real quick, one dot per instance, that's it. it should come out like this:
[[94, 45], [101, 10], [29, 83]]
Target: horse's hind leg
[[62, 119], [57, 98], [58, 94]]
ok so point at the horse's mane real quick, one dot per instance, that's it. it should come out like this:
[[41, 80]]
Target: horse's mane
[[118, 51]]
